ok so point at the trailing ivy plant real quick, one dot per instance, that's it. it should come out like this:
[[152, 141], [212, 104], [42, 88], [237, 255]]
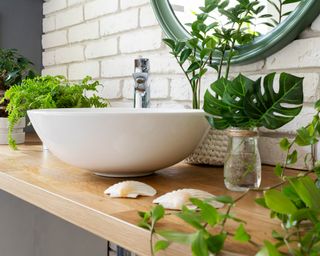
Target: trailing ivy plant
[[210, 40], [49, 92], [294, 202], [13, 69]]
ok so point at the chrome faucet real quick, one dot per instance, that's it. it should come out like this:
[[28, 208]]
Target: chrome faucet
[[141, 86]]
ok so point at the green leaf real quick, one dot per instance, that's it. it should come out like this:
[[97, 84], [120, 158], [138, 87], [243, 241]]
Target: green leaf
[[211, 43], [199, 245], [268, 109], [177, 237], [144, 225], [193, 43], [241, 234], [278, 202], [290, 192], [285, 144], [268, 250], [226, 105], [185, 55], [205, 52], [305, 138], [207, 212], [224, 199], [317, 105], [190, 218], [141, 214], [277, 236], [262, 202], [291, 1], [215, 243], [278, 170], [292, 158], [161, 245], [307, 190], [171, 43], [179, 47], [194, 66], [157, 213], [305, 214]]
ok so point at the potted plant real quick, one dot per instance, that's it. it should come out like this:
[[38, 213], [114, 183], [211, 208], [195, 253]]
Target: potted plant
[[228, 101], [13, 69], [49, 92], [242, 105], [212, 46]]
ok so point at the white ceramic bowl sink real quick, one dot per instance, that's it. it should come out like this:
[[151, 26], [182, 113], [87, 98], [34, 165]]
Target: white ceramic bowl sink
[[120, 142]]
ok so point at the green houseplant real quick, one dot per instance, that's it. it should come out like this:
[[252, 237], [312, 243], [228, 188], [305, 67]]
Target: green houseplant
[[50, 92], [237, 102], [242, 105], [212, 46], [13, 69]]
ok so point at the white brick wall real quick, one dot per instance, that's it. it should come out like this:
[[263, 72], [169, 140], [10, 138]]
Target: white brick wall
[[99, 7], [101, 38], [84, 31], [69, 17], [120, 22]]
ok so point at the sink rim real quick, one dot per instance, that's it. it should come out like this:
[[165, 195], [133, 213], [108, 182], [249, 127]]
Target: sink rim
[[116, 110]]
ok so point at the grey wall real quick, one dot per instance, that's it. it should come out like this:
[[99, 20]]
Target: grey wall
[[26, 230], [21, 28]]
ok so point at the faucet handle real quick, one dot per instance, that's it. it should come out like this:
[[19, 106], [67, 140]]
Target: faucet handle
[[142, 65]]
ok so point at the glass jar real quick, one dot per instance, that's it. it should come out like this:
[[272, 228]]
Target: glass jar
[[242, 167]]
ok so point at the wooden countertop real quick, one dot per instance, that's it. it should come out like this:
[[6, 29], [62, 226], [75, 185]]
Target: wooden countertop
[[76, 195]]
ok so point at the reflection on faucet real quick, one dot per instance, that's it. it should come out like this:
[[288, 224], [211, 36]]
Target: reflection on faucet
[[141, 86]]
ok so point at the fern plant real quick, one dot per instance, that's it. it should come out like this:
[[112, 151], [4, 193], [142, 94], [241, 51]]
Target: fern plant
[[49, 92]]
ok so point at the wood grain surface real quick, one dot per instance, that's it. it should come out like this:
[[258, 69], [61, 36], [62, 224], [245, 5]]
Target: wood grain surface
[[76, 195]]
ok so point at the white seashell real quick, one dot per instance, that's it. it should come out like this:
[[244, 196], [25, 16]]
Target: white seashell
[[131, 189], [176, 199]]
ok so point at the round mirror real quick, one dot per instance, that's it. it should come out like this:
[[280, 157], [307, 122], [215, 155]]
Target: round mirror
[[279, 22]]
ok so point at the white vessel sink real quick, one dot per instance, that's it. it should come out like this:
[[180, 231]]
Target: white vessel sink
[[120, 142]]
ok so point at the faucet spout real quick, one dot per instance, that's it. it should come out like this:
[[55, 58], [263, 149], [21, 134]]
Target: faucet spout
[[141, 86]]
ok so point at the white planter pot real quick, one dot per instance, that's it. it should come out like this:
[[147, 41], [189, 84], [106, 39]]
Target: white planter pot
[[18, 133]]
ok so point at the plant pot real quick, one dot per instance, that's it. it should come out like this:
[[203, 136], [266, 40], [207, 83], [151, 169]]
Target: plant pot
[[212, 150], [18, 133]]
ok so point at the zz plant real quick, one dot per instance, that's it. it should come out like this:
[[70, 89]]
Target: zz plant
[[294, 202]]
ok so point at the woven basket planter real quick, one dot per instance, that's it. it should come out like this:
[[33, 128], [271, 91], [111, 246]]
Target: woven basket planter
[[212, 150]]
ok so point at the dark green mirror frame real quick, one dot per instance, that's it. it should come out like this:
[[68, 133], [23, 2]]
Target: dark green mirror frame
[[263, 46]]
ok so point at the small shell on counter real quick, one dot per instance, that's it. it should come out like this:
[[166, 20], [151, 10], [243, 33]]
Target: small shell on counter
[[176, 199], [131, 189]]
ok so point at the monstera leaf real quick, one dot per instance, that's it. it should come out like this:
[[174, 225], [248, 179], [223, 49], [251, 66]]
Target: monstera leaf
[[273, 109], [225, 102], [242, 102]]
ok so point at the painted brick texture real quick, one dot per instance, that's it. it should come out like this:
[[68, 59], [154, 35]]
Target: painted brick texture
[[102, 37]]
